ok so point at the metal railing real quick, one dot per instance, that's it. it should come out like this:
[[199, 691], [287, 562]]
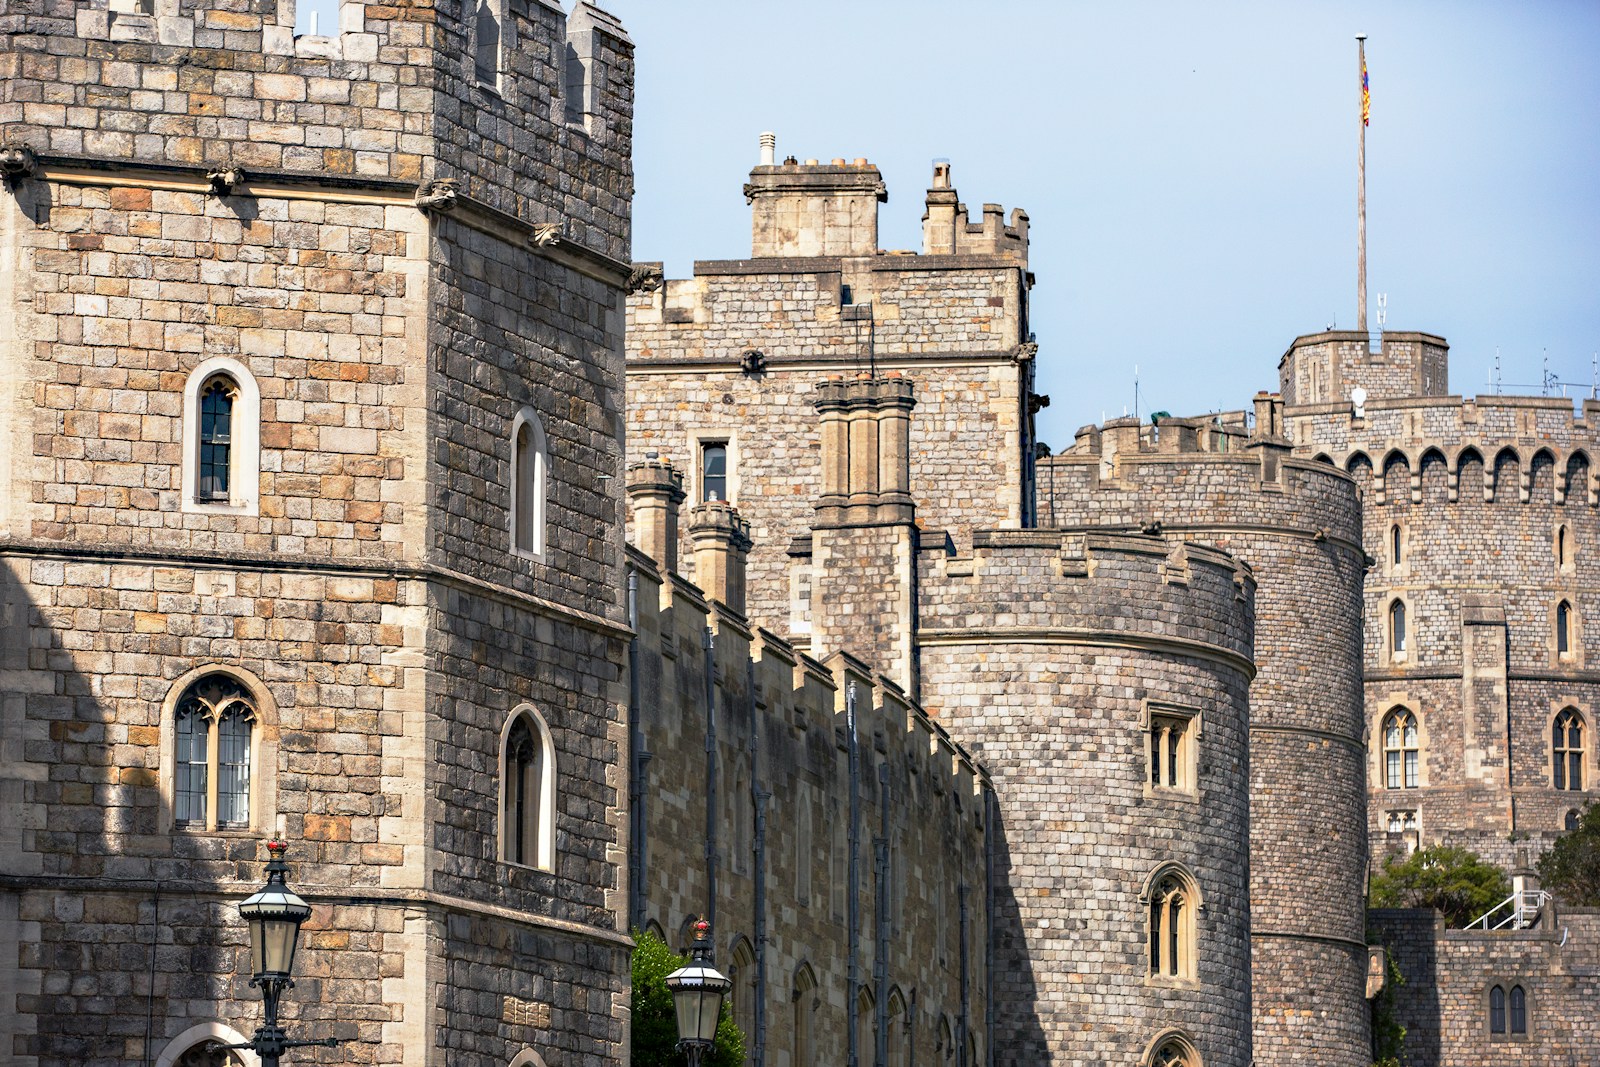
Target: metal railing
[[1521, 910]]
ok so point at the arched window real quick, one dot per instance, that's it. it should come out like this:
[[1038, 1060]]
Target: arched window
[[201, 1046], [1497, 1010], [1173, 1050], [1563, 547], [1397, 628], [1519, 1010], [530, 463], [866, 1026], [1566, 750], [214, 727], [742, 973], [1401, 750], [528, 792], [1173, 900], [899, 1030], [1395, 544], [1564, 628], [944, 1048], [221, 438], [806, 1003], [216, 438], [1570, 820]]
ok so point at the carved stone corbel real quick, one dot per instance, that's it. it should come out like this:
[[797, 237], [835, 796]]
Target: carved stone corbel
[[438, 195], [753, 361], [1026, 351], [224, 182], [17, 162], [645, 278], [545, 234]]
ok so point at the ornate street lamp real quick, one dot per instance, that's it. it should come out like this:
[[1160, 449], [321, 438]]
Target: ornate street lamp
[[697, 992], [274, 913]]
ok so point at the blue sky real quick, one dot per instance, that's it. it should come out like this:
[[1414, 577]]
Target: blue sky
[[1188, 168]]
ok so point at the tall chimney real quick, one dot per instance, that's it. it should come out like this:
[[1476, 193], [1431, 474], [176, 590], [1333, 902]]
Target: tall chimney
[[655, 490], [721, 543]]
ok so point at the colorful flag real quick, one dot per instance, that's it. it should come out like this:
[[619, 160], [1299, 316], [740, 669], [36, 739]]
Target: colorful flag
[[1366, 95]]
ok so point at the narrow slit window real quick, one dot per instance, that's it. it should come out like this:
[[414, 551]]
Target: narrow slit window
[[1561, 546], [1397, 627], [527, 831], [1563, 628], [486, 51], [1394, 544]]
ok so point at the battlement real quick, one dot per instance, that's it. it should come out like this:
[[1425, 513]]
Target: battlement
[[799, 692], [1511, 437], [1323, 367], [947, 229], [1124, 587], [389, 98]]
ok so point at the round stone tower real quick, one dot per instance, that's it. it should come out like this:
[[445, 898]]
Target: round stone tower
[[1297, 524], [1103, 680]]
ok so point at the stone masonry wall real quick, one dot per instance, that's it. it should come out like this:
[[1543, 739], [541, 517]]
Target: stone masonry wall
[[787, 742], [1480, 579], [388, 99], [953, 323], [1298, 525], [400, 261], [1443, 1001], [1042, 649]]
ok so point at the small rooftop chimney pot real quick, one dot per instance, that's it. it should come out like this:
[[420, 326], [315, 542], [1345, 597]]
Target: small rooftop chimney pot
[[769, 148]]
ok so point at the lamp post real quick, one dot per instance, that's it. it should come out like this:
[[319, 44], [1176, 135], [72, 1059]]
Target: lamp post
[[274, 913], [697, 992]]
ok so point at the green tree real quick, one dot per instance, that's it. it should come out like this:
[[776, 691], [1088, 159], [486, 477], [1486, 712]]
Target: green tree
[[655, 1023], [1453, 880], [1571, 869]]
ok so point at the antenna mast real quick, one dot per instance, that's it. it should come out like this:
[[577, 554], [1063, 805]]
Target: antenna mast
[[1361, 193]]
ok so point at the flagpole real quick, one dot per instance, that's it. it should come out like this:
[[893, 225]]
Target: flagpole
[[1361, 193]]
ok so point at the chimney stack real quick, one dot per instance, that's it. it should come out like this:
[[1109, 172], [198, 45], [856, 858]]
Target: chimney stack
[[769, 148], [721, 544], [655, 490]]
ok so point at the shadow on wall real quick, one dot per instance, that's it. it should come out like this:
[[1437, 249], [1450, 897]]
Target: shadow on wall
[[1018, 1039], [115, 944], [1409, 935]]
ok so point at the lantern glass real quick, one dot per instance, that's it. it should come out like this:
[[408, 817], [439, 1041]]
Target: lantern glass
[[697, 992], [274, 915]]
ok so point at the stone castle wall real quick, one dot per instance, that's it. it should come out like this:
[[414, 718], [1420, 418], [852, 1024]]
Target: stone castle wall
[[1443, 998], [1297, 524], [364, 268], [734, 353], [1046, 652], [1483, 495], [782, 741]]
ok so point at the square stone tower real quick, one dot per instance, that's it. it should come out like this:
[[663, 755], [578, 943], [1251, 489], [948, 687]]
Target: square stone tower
[[310, 525]]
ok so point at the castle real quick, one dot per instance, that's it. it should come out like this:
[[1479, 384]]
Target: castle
[[331, 389]]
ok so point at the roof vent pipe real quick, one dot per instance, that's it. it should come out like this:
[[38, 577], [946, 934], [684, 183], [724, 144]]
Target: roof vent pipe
[[769, 148]]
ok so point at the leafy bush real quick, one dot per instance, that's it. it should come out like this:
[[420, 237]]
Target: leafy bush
[[655, 1023], [1454, 880], [1571, 869]]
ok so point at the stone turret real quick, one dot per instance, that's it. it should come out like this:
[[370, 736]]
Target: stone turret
[[814, 209], [721, 543], [946, 230]]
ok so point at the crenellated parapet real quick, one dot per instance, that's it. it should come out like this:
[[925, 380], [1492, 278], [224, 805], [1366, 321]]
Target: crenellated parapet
[[1114, 587], [231, 102], [1334, 365], [1512, 438]]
